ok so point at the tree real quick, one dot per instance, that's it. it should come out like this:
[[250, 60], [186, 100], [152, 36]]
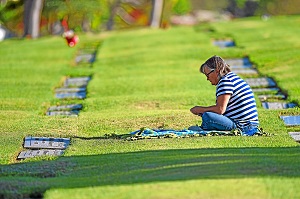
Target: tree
[[182, 7], [81, 15], [32, 17], [242, 8], [156, 14], [113, 5], [11, 15]]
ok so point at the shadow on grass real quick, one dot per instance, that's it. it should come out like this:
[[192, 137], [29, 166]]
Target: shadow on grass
[[32, 179]]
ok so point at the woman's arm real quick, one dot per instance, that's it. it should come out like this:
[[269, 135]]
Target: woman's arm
[[219, 108]]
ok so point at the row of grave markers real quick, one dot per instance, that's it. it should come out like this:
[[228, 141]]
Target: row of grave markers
[[72, 88], [270, 95], [75, 87]]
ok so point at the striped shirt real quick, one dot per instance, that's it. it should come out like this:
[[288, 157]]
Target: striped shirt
[[241, 107]]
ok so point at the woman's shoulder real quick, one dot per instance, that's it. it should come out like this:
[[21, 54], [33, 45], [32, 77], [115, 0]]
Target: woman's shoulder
[[228, 77], [232, 77], [231, 74]]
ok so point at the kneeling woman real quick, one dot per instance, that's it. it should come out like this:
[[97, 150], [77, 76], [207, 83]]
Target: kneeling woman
[[235, 103]]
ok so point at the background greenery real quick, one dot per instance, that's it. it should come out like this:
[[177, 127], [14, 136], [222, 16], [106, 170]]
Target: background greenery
[[147, 78], [96, 15]]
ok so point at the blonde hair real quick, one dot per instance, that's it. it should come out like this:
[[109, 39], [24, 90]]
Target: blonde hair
[[216, 63]]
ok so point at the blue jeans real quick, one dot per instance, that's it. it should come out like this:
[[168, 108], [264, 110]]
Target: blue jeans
[[214, 121]]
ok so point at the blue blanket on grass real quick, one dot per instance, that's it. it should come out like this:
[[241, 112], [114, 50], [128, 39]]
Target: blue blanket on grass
[[146, 133], [163, 133]]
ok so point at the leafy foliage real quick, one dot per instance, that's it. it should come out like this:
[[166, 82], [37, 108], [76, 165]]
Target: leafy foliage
[[182, 7]]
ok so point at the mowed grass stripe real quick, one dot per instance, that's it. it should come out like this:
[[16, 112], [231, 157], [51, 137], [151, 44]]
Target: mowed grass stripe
[[144, 78]]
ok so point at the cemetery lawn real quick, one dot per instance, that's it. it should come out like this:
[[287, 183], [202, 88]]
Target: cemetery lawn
[[147, 78]]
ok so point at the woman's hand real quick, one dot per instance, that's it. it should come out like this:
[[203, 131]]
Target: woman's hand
[[197, 110]]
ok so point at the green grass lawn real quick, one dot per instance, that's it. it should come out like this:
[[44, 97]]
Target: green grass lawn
[[147, 78]]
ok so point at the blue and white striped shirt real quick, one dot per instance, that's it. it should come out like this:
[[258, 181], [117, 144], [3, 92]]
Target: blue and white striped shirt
[[241, 107]]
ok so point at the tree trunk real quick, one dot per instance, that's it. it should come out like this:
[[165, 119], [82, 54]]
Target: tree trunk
[[27, 16], [157, 8], [32, 17], [36, 17], [113, 7]]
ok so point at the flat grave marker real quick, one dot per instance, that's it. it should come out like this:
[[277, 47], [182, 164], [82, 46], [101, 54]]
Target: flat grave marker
[[71, 95], [42, 152], [66, 107], [291, 120], [64, 110], [73, 92], [224, 43], [295, 136], [85, 58], [72, 89], [260, 82], [239, 62], [250, 71], [77, 81], [265, 90], [278, 105], [63, 113], [46, 143]]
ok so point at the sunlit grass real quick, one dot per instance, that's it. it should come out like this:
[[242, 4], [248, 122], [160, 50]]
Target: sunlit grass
[[147, 78]]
